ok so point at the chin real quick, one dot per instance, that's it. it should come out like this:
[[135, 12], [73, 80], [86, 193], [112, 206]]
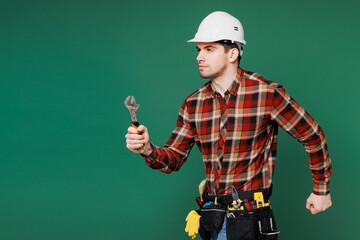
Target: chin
[[205, 76]]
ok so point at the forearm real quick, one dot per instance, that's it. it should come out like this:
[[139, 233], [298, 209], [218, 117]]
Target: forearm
[[319, 162]]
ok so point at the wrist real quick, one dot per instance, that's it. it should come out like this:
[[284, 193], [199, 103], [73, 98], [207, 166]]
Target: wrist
[[148, 150]]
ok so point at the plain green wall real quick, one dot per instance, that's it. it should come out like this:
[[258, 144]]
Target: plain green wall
[[66, 68]]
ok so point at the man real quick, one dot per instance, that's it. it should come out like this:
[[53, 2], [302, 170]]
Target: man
[[234, 120]]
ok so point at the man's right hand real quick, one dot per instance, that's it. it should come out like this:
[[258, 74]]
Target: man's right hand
[[138, 138]]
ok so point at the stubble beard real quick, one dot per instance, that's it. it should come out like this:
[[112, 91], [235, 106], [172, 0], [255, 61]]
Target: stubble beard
[[212, 74]]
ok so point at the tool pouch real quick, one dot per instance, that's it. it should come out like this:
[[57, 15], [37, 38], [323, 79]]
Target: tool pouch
[[239, 225], [205, 235], [212, 217], [258, 224], [265, 224]]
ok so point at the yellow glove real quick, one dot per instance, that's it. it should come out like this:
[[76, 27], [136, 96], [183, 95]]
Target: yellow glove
[[193, 224]]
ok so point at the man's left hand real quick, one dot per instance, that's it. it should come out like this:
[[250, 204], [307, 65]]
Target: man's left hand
[[318, 203]]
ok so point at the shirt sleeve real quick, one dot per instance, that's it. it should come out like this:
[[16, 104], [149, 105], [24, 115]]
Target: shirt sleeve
[[299, 124], [175, 152]]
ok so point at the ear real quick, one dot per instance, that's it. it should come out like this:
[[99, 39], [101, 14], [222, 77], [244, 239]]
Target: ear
[[234, 53]]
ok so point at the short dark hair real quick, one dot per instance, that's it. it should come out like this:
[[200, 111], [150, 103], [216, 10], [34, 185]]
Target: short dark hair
[[228, 44]]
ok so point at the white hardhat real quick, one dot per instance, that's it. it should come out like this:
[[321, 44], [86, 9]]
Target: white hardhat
[[220, 26]]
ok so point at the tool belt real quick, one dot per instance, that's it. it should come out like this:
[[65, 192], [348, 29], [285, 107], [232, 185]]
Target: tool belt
[[228, 199], [246, 217]]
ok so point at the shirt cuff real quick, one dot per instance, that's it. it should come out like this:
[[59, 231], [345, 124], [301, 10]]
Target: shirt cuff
[[321, 188]]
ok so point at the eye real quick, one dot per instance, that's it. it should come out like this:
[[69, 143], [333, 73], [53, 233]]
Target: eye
[[209, 50]]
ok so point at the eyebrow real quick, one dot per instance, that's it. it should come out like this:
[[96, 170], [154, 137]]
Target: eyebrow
[[207, 46]]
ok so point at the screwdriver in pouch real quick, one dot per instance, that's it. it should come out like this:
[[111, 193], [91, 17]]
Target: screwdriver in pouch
[[247, 204]]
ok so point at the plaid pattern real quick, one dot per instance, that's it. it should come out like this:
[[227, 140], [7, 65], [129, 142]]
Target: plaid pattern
[[237, 135]]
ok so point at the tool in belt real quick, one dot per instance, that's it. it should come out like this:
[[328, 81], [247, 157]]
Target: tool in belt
[[130, 104], [247, 208]]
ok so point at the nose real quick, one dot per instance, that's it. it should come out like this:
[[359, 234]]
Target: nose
[[200, 57]]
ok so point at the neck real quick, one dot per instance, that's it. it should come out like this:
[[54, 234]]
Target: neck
[[223, 82]]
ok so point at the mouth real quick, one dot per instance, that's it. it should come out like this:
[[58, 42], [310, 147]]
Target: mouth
[[202, 66]]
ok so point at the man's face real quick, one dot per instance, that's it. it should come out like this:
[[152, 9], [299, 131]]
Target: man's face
[[211, 59]]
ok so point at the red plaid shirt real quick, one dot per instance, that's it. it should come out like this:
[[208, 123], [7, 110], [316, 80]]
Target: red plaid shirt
[[237, 135]]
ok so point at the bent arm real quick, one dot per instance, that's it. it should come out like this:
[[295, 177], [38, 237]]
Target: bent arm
[[175, 152], [299, 124]]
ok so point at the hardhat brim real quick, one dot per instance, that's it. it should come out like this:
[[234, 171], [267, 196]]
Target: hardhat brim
[[212, 40]]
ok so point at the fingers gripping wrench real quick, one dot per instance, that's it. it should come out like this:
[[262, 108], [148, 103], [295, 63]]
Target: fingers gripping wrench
[[130, 104]]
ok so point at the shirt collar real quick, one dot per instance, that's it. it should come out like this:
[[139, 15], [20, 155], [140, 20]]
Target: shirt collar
[[234, 86]]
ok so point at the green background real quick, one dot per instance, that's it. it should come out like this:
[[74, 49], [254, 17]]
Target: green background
[[66, 68]]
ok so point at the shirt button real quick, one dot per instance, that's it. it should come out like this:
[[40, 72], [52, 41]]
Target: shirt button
[[217, 167], [224, 105]]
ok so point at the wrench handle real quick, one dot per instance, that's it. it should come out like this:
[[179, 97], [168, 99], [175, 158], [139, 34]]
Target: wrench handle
[[135, 124]]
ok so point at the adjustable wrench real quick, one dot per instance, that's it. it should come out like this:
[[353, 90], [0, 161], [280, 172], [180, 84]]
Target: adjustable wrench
[[131, 105]]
